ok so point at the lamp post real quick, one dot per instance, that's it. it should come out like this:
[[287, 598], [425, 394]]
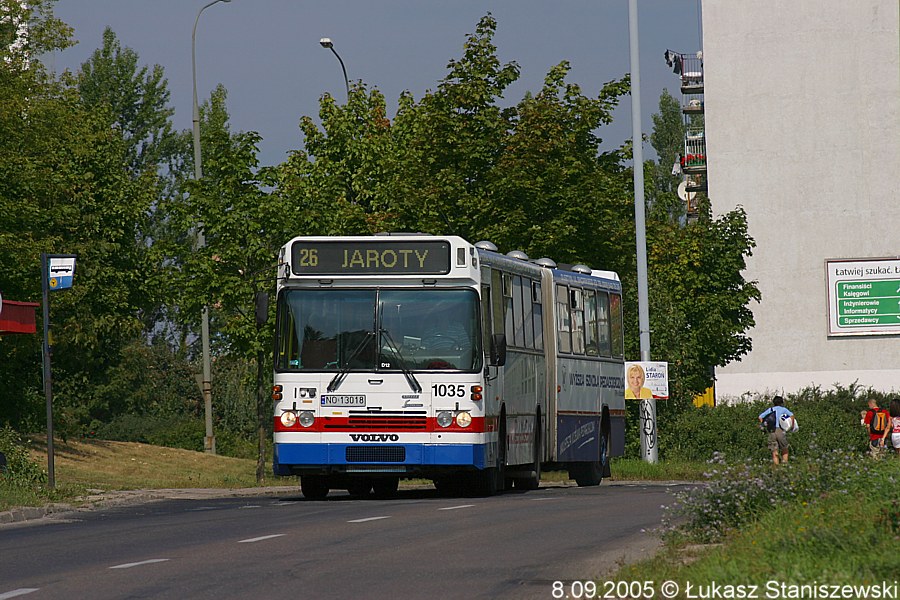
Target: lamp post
[[327, 43], [209, 443], [649, 449]]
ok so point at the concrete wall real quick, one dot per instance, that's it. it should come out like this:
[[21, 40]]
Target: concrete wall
[[803, 130]]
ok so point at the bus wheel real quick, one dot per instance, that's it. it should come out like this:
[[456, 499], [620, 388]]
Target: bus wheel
[[314, 487], [359, 487], [491, 480], [591, 473], [533, 481], [586, 474], [386, 487]]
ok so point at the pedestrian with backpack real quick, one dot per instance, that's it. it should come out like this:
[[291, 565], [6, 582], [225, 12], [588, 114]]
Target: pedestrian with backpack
[[895, 424], [877, 422], [770, 420]]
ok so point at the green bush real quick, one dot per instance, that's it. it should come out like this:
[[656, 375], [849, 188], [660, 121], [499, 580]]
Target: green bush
[[21, 471], [830, 420], [172, 431], [740, 493]]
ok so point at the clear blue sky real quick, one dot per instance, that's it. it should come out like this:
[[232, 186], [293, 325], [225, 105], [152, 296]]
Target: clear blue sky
[[267, 52]]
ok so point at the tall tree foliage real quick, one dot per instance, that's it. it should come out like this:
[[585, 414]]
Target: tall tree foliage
[[66, 187], [699, 300], [136, 99], [243, 225]]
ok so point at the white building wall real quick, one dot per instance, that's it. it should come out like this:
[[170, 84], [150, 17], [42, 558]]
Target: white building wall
[[802, 103]]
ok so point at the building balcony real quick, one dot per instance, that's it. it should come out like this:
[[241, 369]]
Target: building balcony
[[691, 73], [692, 104], [693, 160], [696, 183]]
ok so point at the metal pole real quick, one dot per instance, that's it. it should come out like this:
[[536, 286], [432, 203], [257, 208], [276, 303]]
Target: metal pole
[[344, 69], [48, 389], [206, 384], [648, 407]]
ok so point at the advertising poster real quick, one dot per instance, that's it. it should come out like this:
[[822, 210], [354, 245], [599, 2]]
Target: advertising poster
[[646, 380]]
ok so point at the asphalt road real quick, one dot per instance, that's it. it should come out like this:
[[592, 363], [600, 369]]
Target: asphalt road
[[418, 545]]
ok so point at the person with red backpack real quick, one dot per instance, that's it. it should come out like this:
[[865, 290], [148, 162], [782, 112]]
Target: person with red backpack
[[895, 424], [878, 423]]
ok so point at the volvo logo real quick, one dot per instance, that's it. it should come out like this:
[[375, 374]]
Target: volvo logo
[[374, 437]]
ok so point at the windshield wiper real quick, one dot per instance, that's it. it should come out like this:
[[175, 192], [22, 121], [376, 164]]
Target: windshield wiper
[[410, 378], [339, 377]]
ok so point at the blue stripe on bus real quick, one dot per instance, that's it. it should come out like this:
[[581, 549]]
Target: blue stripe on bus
[[319, 455]]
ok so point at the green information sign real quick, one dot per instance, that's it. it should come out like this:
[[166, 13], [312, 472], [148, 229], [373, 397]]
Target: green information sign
[[868, 303], [878, 288]]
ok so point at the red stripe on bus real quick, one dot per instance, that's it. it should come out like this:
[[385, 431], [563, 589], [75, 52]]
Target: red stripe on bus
[[392, 424]]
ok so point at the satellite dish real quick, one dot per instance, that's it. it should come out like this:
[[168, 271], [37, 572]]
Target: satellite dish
[[684, 194]]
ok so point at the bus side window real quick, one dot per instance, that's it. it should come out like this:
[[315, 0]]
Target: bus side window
[[288, 344], [564, 319], [486, 317], [578, 321], [616, 325], [590, 331], [498, 303], [604, 346], [518, 325], [508, 309], [537, 315]]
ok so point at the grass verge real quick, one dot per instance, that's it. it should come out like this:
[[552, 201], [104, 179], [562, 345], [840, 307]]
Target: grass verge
[[83, 465], [841, 532]]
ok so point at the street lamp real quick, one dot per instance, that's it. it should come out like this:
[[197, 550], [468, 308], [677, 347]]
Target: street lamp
[[206, 385], [327, 43]]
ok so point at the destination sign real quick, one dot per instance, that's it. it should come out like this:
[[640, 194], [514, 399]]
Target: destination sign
[[370, 257]]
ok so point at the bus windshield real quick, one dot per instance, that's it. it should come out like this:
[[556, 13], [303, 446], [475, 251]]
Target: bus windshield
[[378, 330]]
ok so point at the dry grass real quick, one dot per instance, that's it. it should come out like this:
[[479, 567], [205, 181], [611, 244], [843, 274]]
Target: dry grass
[[107, 465]]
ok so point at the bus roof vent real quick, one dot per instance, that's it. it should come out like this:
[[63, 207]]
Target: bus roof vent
[[547, 263], [486, 245], [517, 254], [584, 269]]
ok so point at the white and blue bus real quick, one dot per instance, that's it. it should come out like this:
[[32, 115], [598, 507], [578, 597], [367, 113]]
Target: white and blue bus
[[418, 356]]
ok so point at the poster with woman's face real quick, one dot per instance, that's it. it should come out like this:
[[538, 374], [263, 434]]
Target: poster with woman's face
[[645, 380]]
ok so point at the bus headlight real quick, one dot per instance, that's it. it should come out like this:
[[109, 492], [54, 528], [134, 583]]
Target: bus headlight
[[307, 418], [288, 418], [445, 418], [464, 419]]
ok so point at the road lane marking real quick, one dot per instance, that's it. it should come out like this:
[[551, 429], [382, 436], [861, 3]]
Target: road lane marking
[[18, 592], [138, 564], [259, 539], [366, 520], [457, 507]]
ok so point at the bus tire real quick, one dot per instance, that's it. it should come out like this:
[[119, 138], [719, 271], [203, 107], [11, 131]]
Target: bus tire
[[591, 473], [314, 487], [385, 487], [490, 480], [359, 487], [533, 482], [450, 486]]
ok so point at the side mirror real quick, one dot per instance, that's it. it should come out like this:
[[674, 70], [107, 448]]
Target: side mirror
[[498, 350], [262, 308]]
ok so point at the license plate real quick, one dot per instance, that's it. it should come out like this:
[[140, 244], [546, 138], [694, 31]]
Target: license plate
[[343, 400]]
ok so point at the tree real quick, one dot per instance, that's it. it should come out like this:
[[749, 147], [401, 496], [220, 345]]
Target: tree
[[135, 99], [668, 141], [64, 188], [699, 301]]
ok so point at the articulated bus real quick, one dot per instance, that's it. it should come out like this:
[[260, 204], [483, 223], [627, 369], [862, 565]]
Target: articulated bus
[[418, 356]]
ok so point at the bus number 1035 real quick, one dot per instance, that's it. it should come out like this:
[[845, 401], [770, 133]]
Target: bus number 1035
[[446, 390]]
